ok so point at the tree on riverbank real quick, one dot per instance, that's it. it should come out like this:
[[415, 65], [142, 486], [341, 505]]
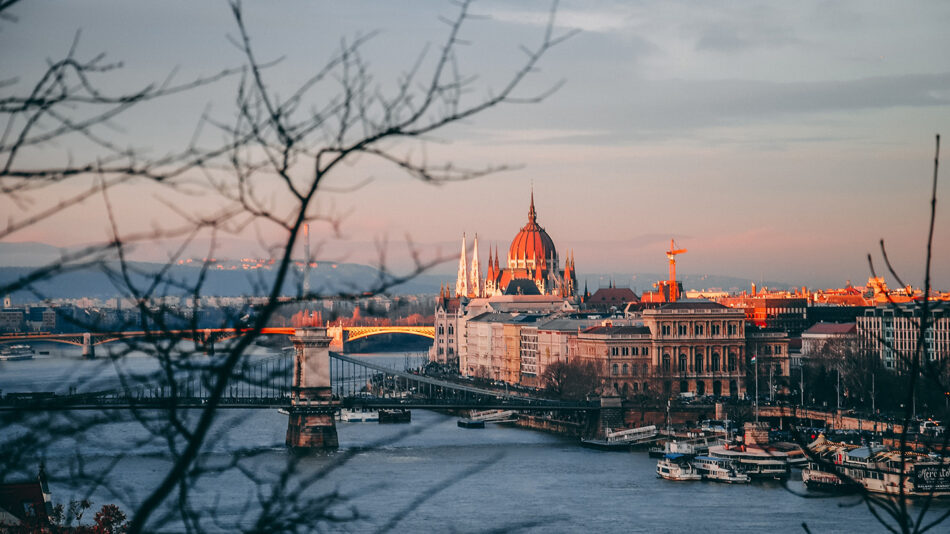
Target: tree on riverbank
[[571, 380]]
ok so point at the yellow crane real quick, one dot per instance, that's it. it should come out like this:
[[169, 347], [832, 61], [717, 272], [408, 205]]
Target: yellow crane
[[671, 254]]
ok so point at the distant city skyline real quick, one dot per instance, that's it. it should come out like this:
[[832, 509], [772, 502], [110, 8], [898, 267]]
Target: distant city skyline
[[775, 142]]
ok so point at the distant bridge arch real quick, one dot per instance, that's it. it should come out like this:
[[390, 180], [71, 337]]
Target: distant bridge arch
[[340, 335]]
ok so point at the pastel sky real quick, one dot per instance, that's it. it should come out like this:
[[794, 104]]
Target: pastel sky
[[775, 140]]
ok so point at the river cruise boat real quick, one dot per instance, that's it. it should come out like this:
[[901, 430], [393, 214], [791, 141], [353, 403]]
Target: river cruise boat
[[719, 470], [16, 352], [677, 467], [878, 470], [820, 476], [691, 447], [754, 461], [358, 416]]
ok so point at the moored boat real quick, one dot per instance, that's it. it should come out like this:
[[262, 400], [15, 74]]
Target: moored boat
[[471, 423], [358, 416], [15, 353], [754, 461], [676, 467], [719, 470]]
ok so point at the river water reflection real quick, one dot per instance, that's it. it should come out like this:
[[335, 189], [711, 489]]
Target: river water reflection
[[493, 478]]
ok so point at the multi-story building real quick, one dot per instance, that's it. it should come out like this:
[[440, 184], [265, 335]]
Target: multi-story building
[[891, 331], [768, 355], [448, 321], [687, 346], [12, 320], [698, 347], [621, 354], [492, 346], [771, 311]]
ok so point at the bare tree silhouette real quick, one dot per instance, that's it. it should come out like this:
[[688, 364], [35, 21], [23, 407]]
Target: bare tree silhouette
[[265, 165]]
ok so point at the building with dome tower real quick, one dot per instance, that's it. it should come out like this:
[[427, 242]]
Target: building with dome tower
[[531, 280], [532, 267]]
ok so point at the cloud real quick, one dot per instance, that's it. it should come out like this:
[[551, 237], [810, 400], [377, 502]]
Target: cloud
[[598, 21], [735, 37]]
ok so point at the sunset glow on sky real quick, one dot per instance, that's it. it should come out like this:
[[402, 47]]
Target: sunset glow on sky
[[778, 141]]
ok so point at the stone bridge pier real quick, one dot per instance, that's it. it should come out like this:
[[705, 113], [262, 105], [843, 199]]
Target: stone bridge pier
[[311, 424], [88, 349]]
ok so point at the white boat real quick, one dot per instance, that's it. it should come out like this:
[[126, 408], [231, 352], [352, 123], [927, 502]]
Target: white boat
[[719, 470], [690, 447], [754, 461], [358, 416], [16, 352], [879, 470], [676, 467]]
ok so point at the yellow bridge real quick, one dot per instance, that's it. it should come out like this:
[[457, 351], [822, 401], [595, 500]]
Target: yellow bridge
[[339, 334], [343, 334]]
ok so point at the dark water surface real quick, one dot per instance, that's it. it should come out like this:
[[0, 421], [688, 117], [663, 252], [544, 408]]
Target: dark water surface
[[479, 479]]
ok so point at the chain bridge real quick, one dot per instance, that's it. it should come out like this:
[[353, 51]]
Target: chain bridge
[[311, 385], [207, 337]]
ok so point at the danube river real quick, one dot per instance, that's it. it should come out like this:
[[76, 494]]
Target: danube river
[[498, 478]]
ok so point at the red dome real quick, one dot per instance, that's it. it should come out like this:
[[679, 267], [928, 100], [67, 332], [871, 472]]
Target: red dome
[[530, 243]]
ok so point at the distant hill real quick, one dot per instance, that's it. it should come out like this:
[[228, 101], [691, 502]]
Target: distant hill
[[18, 260], [96, 282], [641, 282], [29, 254]]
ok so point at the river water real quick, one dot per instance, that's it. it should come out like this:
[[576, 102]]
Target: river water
[[448, 479]]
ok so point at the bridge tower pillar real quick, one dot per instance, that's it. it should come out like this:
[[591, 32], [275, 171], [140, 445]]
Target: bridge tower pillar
[[311, 424], [339, 336], [88, 349]]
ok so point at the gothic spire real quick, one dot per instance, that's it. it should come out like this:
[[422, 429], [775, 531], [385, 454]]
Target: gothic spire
[[461, 282], [475, 285], [532, 215]]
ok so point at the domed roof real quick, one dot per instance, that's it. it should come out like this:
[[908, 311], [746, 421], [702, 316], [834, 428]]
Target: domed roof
[[531, 242]]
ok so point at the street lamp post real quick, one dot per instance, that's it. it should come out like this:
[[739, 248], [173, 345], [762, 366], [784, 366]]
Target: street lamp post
[[801, 369], [838, 389]]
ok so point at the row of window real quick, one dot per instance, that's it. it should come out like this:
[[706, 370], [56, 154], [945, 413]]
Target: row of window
[[698, 329], [626, 369], [629, 351], [714, 363]]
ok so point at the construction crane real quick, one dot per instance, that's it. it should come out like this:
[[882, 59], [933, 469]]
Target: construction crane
[[671, 254]]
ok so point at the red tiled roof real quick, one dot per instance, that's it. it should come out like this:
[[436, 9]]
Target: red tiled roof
[[832, 329], [613, 295]]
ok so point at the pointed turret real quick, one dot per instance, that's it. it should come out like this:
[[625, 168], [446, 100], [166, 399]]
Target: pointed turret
[[475, 282], [532, 215], [461, 282]]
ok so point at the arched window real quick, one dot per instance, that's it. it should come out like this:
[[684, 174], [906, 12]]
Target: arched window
[[698, 362], [666, 363], [636, 387], [682, 366], [684, 386], [717, 388], [733, 388], [646, 387], [732, 361], [715, 362], [626, 369], [613, 369], [643, 369]]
